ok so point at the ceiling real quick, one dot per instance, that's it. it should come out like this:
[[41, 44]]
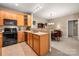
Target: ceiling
[[45, 10]]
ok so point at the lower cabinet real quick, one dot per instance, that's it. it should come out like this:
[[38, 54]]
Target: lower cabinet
[[1, 37], [36, 44], [21, 36], [40, 44], [1, 21], [28, 38]]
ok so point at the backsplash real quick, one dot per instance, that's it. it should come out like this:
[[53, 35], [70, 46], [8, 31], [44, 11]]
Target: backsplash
[[1, 28], [19, 28]]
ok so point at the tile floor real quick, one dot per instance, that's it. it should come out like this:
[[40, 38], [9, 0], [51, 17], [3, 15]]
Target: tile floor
[[20, 49], [69, 46], [55, 52], [65, 47]]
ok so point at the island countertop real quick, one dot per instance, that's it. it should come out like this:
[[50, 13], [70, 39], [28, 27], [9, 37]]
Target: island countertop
[[40, 33], [37, 33]]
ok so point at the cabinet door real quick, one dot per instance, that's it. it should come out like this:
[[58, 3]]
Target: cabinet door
[[44, 44], [14, 17], [2, 14], [29, 20], [20, 36], [7, 15], [1, 21], [1, 40], [36, 44], [20, 20], [29, 39]]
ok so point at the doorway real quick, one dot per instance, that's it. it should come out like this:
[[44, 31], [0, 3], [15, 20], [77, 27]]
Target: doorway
[[73, 28]]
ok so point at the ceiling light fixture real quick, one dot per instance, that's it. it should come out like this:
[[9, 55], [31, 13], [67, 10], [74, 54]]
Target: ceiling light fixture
[[51, 16], [51, 23], [16, 4], [37, 8]]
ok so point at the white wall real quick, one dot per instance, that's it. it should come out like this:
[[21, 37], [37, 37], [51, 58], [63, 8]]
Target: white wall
[[38, 20], [63, 22]]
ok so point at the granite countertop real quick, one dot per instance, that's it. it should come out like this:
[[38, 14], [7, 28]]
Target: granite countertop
[[28, 31], [40, 33], [36, 33]]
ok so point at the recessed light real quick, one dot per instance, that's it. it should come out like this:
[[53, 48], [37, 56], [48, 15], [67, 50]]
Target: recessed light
[[16, 4], [37, 8]]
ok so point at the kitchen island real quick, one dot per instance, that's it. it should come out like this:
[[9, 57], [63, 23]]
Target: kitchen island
[[38, 42]]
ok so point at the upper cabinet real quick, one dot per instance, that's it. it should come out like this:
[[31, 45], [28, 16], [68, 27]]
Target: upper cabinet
[[28, 20], [10, 16], [1, 17], [20, 20], [1, 14], [7, 15]]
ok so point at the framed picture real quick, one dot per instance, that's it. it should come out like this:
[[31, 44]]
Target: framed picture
[[34, 22]]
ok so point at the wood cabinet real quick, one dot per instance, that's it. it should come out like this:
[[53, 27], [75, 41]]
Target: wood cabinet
[[28, 20], [40, 44], [21, 36], [1, 37], [2, 14], [36, 44], [9, 15], [1, 17], [20, 20], [1, 21], [28, 38], [16, 16], [30, 41]]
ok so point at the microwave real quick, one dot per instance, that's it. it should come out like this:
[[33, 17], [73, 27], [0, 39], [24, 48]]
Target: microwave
[[10, 22]]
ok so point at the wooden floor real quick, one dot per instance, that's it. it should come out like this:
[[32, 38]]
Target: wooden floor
[[20, 49]]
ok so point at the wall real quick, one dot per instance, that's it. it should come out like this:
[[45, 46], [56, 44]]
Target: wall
[[63, 23], [38, 20]]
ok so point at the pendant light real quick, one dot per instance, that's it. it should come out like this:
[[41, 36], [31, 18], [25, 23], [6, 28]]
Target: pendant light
[[51, 18]]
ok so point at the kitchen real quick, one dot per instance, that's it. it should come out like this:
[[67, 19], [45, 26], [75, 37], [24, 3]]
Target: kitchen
[[15, 27]]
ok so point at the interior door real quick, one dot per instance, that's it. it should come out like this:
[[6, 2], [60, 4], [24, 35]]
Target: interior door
[[70, 28], [73, 28]]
